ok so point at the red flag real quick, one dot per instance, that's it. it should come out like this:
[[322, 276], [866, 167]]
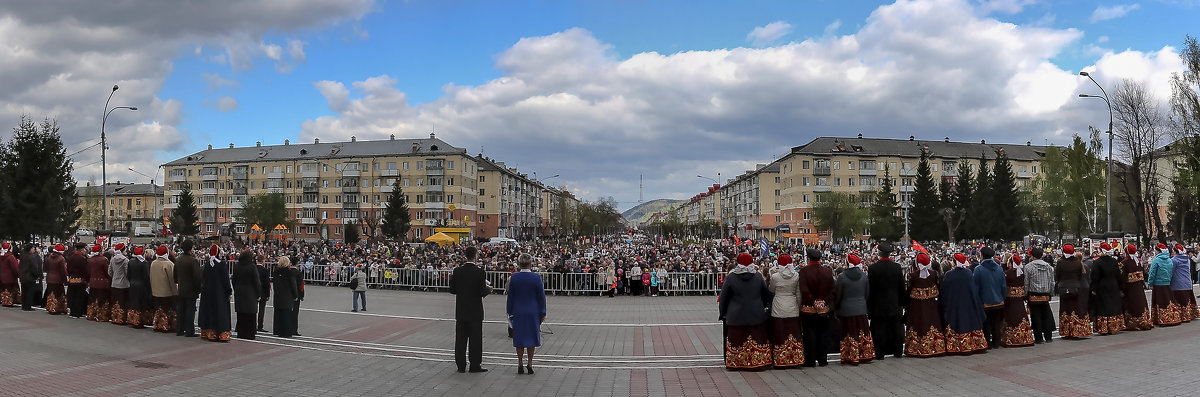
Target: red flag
[[917, 246], [736, 240]]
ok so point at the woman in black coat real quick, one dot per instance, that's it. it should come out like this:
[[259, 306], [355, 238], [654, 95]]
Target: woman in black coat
[[287, 297], [246, 292]]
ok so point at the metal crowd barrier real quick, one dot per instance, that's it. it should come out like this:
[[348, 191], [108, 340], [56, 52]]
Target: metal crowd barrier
[[554, 283]]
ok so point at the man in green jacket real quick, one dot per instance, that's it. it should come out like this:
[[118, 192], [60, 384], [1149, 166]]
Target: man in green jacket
[[187, 277]]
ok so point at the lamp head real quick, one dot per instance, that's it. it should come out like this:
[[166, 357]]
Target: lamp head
[[133, 108], [115, 87], [1084, 74], [1084, 95]]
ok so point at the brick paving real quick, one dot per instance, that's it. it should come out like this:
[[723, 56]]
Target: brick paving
[[594, 346]]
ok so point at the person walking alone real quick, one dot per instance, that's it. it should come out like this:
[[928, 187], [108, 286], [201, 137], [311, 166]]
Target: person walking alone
[[468, 286], [358, 283], [526, 308]]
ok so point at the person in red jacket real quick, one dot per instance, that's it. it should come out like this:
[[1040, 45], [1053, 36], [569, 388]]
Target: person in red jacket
[[10, 287], [816, 296], [77, 282], [56, 281], [99, 295]]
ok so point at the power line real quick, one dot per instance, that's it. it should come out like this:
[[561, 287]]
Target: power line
[[81, 150]]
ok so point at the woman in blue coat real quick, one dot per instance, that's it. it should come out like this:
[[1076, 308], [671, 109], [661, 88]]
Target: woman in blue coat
[[526, 311]]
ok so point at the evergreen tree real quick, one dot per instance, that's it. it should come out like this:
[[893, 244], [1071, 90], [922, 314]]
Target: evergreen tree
[[885, 224], [184, 221], [963, 187], [350, 233], [39, 197], [396, 219], [925, 220], [1008, 222], [979, 215]]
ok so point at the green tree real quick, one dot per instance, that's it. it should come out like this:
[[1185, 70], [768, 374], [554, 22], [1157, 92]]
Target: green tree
[[979, 216], [1050, 186], [266, 210], [39, 198], [840, 214], [885, 224], [184, 220], [1009, 222], [955, 211], [350, 233], [925, 205], [396, 219], [1083, 185], [1183, 209]]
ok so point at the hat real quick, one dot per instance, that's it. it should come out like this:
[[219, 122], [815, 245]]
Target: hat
[[785, 260], [745, 259], [59, 248], [1016, 259], [1036, 253], [138, 251], [161, 251], [885, 250], [987, 252], [1130, 249], [96, 248], [960, 258], [923, 258], [7, 246], [1070, 249], [1161, 247], [214, 250], [853, 259], [1178, 247], [1105, 249], [119, 247], [813, 255]]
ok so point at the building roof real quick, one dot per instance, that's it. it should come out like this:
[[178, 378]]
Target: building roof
[[124, 189], [317, 151], [912, 148]]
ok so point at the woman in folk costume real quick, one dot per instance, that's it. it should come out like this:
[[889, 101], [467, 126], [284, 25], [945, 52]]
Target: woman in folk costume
[[99, 286], [1017, 331], [787, 348], [1181, 285], [139, 306], [164, 289], [1163, 310], [850, 304], [1106, 293], [56, 281], [962, 310], [118, 272], [1073, 319], [924, 337], [1133, 284], [10, 287], [213, 313], [744, 303]]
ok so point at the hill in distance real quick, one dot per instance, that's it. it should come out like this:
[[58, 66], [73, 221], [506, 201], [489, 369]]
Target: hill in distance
[[642, 212]]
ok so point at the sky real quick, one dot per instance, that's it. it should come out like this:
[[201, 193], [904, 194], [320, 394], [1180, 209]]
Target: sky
[[598, 92]]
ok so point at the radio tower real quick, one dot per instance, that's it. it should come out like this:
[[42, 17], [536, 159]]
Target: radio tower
[[639, 188]]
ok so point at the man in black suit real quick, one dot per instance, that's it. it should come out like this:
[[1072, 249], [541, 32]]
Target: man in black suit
[[467, 283], [885, 304], [187, 276]]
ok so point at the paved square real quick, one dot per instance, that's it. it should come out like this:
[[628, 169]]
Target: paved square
[[592, 346]]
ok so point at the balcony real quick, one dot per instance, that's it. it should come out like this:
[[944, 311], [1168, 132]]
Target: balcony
[[272, 190], [310, 170], [238, 204], [908, 189], [350, 189], [314, 189], [178, 177], [349, 205], [208, 192], [171, 206], [950, 172], [1024, 175], [308, 221], [435, 205], [389, 173], [866, 172], [274, 175], [386, 188], [822, 188], [866, 188], [239, 173], [908, 172], [240, 191], [351, 172], [208, 205], [208, 177], [434, 188], [821, 171], [308, 204], [174, 192]]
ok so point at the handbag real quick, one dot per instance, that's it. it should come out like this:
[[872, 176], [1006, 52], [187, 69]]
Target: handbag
[[354, 283]]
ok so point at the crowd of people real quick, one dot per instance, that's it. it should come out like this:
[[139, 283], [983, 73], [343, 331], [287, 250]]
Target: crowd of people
[[956, 302]]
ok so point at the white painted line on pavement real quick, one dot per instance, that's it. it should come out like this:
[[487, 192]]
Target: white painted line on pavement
[[505, 322], [435, 349]]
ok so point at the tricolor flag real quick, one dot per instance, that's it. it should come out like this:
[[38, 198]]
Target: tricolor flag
[[917, 246]]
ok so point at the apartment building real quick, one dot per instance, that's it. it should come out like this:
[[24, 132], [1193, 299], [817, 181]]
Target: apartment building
[[857, 166], [510, 203], [327, 185], [131, 207], [556, 204], [703, 207], [752, 203]]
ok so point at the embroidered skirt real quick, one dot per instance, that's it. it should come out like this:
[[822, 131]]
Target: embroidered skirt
[[164, 314], [1137, 316], [1017, 331], [1186, 301], [10, 294], [119, 296], [99, 304], [1073, 319], [965, 343], [56, 299], [924, 336], [1164, 312], [857, 345], [787, 349], [747, 347]]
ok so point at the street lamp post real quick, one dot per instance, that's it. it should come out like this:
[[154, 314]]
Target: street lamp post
[[104, 152], [1108, 173]]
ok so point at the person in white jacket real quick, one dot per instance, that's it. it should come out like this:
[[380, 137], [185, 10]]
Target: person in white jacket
[[788, 350], [360, 290]]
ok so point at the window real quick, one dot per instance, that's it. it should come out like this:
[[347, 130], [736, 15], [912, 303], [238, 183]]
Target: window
[[804, 164], [933, 167], [404, 165], [805, 181], [449, 199], [449, 165], [837, 181], [481, 192], [450, 181], [1023, 168], [324, 183], [776, 216], [420, 199], [850, 165], [252, 185], [776, 192], [275, 168], [1034, 169], [391, 165], [377, 182], [420, 181], [806, 198], [822, 181], [405, 183], [806, 216], [482, 178], [420, 165], [289, 169], [324, 167], [337, 198], [837, 165], [324, 199], [481, 205], [324, 214], [850, 181], [906, 166], [776, 179]]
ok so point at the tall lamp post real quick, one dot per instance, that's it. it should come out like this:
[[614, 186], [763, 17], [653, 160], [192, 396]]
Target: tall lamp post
[[720, 212], [104, 152], [1108, 174], [154, 197]]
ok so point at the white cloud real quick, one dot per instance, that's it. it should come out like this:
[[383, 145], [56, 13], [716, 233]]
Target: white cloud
[[226, 104], [1104, 13], [1004, 6], [566, 104], [1102, 39], [831, 29], [296, 51], [767, 34], [61, 61]]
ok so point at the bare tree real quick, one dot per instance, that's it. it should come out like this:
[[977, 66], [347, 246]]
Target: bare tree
[[1139, 131]]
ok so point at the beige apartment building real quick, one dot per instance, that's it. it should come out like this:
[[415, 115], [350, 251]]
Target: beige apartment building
[[703, 207], [857, 166], [326, 185], [751, 203], [510, 203], [556, 204], [132, 207]]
